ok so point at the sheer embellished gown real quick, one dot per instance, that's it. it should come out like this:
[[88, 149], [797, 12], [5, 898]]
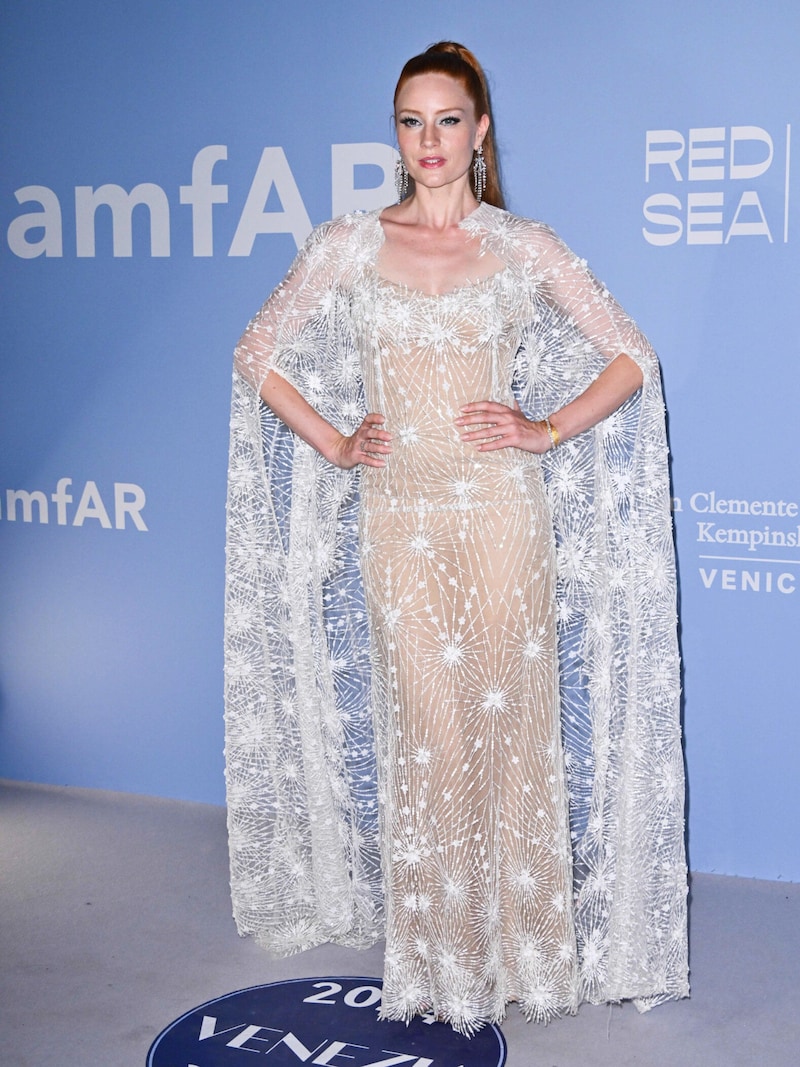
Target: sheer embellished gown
[[452, 683], [459, 572]]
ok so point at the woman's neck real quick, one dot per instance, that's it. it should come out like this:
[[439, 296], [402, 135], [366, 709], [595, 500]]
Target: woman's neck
[[437, 209]]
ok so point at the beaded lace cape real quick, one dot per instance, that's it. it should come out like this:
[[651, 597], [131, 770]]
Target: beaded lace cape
[[300, 754]]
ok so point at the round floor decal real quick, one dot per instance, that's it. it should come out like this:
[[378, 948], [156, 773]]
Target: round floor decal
[[329, 1022]]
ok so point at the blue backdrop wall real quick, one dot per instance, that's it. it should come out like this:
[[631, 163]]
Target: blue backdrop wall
[[161, 161]]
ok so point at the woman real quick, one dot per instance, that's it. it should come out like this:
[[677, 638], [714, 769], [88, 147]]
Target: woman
[[524, 712]]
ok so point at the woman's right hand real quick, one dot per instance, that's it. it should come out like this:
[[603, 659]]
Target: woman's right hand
[[368, 445]]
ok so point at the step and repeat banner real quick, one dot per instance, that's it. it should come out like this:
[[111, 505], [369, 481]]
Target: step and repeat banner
[[162, 161]]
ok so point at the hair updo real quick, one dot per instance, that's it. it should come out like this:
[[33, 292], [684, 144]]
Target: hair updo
[[459, 63]]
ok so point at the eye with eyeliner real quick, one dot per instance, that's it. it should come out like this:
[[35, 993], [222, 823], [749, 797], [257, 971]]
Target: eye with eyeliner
[[411, 121]]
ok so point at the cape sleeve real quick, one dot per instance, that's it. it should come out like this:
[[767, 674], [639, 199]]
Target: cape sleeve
[[299, 756], [619, 660]]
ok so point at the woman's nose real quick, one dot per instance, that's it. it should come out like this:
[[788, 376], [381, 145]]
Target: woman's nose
[[430, 135]]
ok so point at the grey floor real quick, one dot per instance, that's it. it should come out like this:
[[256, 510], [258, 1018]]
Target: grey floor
[[116, 920]]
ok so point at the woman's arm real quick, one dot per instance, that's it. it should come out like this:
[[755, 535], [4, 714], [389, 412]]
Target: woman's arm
[[570, 286], [613, 386], [505, 427], [289, 341], [367, 445]]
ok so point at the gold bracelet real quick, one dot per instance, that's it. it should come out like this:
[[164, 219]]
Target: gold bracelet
[[553, 433]]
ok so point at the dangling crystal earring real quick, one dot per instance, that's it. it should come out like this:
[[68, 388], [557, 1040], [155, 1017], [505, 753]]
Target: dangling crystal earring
[[479, 173], [400, 179]]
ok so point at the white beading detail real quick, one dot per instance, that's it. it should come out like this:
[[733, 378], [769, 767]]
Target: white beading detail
[[490, 895]]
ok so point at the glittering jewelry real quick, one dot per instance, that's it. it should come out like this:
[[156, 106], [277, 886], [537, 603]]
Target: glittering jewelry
[[479, 173], [400, 179], [553, 433]]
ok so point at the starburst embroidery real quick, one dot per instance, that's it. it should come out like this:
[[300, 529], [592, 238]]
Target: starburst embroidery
[[440, 694], [452, 653], [494, 700]]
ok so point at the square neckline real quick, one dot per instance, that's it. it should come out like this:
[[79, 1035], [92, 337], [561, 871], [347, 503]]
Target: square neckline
[[487, 281]]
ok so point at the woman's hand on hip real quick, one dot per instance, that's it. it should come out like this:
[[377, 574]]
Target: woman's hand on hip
[[368, 445], [501, 426]]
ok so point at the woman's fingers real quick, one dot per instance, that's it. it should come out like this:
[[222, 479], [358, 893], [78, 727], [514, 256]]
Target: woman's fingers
[[499, 426], [483, 405], [490, 419], [371, 442]]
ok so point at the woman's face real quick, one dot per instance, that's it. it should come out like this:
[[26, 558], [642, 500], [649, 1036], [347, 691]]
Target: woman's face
[[437, 131]]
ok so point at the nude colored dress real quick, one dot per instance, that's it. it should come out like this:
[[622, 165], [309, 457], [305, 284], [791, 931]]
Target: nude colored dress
[[458, 564], [452, 684]]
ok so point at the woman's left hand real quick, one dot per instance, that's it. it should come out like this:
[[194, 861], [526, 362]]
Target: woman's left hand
[[501, 426]]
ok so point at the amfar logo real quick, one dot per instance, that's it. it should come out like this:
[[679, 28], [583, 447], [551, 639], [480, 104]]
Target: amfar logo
[[710, 189], [40, 232], [73, 507]]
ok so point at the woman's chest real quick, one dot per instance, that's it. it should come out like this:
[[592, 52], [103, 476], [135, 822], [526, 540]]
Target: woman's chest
[[476, 319]]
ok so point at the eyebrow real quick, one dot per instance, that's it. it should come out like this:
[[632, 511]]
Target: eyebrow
[[441, 111]]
